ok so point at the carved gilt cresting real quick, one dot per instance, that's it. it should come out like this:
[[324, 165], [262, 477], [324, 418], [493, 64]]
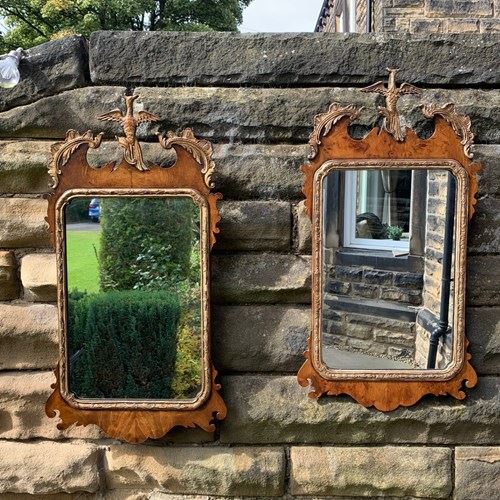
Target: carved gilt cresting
[[392, 121], [333, 148], [135, 420]]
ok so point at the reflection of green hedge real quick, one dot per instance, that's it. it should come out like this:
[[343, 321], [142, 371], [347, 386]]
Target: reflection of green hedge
[[78, 210], [123, 344], [145, 240]]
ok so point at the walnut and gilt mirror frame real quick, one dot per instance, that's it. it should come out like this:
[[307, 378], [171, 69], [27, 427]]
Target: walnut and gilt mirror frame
[[132, 242], [389, 216]]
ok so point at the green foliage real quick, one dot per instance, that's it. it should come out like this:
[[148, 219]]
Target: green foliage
[[123, 344], [77, 210], [31, 22], [394, 232], [145, 242]]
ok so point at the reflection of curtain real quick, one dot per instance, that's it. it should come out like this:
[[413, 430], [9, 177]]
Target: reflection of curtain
[[390, 183]]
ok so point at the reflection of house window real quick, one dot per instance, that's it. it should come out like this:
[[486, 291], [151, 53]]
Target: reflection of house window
[[345, 16], [377, 209]]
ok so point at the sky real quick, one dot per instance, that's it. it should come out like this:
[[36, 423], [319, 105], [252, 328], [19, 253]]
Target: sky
[[281, 16]]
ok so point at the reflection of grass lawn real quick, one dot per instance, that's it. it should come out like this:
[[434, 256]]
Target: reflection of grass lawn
[[83, 272]]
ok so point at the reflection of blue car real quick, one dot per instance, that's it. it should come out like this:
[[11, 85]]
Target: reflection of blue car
[[95, 209]]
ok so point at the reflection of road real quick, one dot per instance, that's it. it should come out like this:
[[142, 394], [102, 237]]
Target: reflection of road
[[83, 226]]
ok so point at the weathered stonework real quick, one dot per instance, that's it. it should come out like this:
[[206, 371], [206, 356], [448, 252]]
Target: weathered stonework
[[39, 277], [371, 472], [47, 467], [9, 285], [220, 471], [22, 223]]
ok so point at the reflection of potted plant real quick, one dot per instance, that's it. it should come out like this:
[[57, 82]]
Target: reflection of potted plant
[[394, 232]]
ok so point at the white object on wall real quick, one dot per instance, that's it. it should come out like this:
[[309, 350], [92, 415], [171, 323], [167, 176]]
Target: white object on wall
[[9, 68]]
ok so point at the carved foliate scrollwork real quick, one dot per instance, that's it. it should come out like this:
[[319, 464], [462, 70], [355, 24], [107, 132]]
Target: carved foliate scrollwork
[[61, 151], [461, 124], [200, 149], [324, 122]]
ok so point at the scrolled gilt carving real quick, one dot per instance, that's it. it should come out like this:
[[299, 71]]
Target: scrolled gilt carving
[[324, 122], [201, 150], [461, 124], [61, 151]]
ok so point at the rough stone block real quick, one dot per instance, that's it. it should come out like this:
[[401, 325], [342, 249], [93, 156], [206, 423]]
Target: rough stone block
[[242, 172], [422, 25], [302, 230], [462, 26], [9, 285], [477, 472], [265, 59], [254, 278], [236, 114], [50, 68], [22, 223], [488, 179], [262, 338], [22, 414], [483, 331], [377, 277], [275, 409], [47, 467], [39, 277], [254, 225], [489, 26], [257, 472], [23, 166], [483, 275], [387, 471], [51, 117], [484, 229], [28, 336]]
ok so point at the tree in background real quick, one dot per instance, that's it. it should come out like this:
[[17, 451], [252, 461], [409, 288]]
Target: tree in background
[[32, 22]]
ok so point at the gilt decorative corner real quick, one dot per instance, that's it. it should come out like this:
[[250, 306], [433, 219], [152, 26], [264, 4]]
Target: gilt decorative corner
[[135, 418], [388, 149]]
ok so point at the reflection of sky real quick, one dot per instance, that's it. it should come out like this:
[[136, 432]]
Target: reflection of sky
[[281, 16]]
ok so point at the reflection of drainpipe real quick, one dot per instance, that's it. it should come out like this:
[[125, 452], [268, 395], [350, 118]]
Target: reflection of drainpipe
[[442, 328], [368, 16]]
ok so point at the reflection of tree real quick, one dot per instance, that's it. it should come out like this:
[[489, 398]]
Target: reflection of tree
[[149, 247]]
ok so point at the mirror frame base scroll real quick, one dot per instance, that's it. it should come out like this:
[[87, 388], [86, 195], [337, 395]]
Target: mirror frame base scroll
[[331, 141], [191, 171]]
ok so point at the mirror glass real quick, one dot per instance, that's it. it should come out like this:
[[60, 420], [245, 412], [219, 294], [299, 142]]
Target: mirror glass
[[387, 278], [134, 306]]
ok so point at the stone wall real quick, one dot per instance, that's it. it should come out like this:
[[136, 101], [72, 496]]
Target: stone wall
[[422, 16], [255, 97]]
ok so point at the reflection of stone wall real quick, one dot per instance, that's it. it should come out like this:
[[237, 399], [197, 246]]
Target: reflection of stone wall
[[368, 283], [275, 439], [373, 335], [434, 240]]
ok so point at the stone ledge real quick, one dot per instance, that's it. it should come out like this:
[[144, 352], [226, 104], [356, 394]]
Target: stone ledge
[[275, 409], [267, 115], [47, 467], [254, 225], [261, 338], [28, 336], [39, 277], [220, 471], [371, 472], [477, 472], [261, 278], [50, 68], [22, 223], [162, 58]]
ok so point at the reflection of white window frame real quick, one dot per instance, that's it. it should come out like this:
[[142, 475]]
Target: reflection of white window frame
[[346, 16], [350, 239]]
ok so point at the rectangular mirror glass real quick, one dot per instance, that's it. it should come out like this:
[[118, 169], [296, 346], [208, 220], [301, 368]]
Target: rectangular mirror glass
[[387, 275], [133, 269]]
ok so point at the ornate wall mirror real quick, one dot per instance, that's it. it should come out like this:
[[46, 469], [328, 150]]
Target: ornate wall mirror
[[389, 229], [132, 242]]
